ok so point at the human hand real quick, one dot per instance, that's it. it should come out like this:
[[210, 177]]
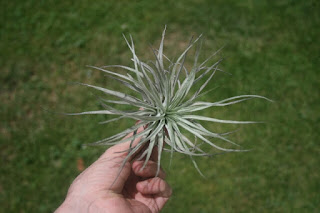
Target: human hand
[[135, 190]]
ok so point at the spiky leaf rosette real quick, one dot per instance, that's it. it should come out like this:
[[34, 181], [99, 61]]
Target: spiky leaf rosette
[[164, 105]]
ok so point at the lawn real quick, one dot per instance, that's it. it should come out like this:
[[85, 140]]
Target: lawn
[[272, 48]]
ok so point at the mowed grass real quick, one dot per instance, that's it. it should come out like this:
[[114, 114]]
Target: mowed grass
[[272, 49]]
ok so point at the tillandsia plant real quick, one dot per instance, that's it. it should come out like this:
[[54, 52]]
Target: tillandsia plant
[[164, 104]]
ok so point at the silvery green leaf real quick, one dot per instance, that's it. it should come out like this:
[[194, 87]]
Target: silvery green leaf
[[203, 118], [163, 101]]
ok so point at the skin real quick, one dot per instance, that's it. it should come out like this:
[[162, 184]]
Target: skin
[[135, 190]]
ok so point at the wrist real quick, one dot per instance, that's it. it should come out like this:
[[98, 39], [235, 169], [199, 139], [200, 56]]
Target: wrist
[[73, 204]]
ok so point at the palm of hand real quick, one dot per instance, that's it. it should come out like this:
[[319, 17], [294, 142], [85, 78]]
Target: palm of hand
[[134, 190], [135, 197]]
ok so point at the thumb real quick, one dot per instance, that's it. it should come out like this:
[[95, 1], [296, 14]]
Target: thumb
[[121, 150], [112, 161]]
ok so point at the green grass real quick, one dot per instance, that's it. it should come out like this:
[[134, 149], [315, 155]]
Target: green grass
[[272, 50]]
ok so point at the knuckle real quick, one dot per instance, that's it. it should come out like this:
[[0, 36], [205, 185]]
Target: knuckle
[[162, 185]]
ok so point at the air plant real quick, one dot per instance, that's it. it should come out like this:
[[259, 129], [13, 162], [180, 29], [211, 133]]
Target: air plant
[[165, 105]]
